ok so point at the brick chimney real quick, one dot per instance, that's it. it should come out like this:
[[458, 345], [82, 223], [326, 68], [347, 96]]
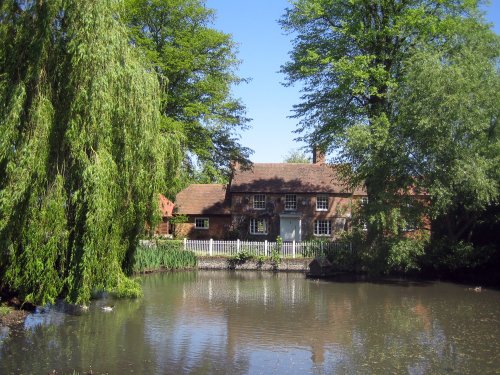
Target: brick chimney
[[318, 156]]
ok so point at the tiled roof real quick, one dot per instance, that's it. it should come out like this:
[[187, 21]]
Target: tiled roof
[[165, 205], [289, 178], [199, 199]]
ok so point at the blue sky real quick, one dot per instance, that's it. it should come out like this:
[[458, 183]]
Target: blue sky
[[263, 48]]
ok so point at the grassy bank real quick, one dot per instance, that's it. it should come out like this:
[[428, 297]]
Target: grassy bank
[[164, 255]]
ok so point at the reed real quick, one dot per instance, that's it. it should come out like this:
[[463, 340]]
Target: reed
[[165, 255]]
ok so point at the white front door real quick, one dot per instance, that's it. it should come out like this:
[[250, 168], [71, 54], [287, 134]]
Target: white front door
[[290, 228]]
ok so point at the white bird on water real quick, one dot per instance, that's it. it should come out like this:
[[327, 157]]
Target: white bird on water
[[107, 308]]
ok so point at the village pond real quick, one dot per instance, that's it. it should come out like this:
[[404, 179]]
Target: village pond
[[245, 322]]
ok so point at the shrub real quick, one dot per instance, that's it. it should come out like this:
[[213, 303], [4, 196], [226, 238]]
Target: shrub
[[444, 255]]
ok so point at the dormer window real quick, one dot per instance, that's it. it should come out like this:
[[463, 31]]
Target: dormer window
[[259, 201], [321, 203], [290, 202]]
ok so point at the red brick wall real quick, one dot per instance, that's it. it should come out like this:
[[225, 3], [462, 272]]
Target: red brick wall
[[218, 228], [339, 206], [163, 228]]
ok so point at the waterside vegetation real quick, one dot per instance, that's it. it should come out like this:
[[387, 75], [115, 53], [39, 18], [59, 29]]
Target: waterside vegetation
[[103, 106], [165, 255]]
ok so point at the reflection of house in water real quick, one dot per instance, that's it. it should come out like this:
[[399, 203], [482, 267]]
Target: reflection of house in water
[[254, 306]]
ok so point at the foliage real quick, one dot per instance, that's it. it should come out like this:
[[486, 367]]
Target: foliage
[[260, 259], [405, 253], [164, 255], [406, 94], [243, 256], [126, 288], [178, 219], [196, 65], [314, 246], [81, 159], [277, 251], [296, 156], [448, 118], [445, 256], [4, 310]]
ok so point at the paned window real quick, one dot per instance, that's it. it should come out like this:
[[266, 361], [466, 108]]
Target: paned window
[[258, 226], [321, 203], [364, 201], [322, 227], [411, 220], [259, 201], [290, 202], [201, 223]]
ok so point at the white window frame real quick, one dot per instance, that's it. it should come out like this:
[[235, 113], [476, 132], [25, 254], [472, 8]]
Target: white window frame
[[204, 220], [254, 226], [260, 203], [322, 225], [363, 201], [320, 200], [290, 202]]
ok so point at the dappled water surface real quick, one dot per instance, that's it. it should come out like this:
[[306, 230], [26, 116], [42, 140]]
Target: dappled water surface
[[218, 322]]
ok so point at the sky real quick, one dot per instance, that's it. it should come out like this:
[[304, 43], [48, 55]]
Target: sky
[[263, 48]]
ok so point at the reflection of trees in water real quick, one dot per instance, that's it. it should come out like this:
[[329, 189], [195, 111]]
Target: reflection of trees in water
[[348, 327], [93, 340], [410, 331], [187, 335], [238, 322]]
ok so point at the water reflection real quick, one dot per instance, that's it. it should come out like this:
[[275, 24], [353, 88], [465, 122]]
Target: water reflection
[[254, 322]]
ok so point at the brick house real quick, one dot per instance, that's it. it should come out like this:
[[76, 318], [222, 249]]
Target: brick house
[[166, 212], [208, 209], [295, 201]]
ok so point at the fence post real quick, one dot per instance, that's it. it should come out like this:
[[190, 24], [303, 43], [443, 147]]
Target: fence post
[[210, 247], [238, 246], [185, 244], [265, 248], [293, 249]]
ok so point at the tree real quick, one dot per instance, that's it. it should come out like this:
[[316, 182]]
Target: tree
[[197, 66], [296, 156], [448, 112], [81, 159], [352, 56]]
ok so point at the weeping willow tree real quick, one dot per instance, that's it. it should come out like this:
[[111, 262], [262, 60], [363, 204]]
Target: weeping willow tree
[[82, 152]]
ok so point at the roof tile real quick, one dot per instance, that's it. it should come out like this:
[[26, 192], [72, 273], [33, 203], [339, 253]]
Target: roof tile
[[289, 178], [199, 199]]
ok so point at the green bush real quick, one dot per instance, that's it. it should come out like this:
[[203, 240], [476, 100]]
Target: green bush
[[405, 254], [242, 256], [127, 288], [4, 310], [446, 256]]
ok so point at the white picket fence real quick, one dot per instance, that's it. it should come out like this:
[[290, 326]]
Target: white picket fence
[[305, 249]]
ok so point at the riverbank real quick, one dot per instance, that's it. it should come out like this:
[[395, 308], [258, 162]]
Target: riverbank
[[266, 264], [12, 312]]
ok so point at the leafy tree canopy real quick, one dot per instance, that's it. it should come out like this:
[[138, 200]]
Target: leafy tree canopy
[[81, 156], [406, 93], [447, 125], [197, 66], [297, 156]]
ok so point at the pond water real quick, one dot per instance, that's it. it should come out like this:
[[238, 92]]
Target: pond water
[[221, 322]]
